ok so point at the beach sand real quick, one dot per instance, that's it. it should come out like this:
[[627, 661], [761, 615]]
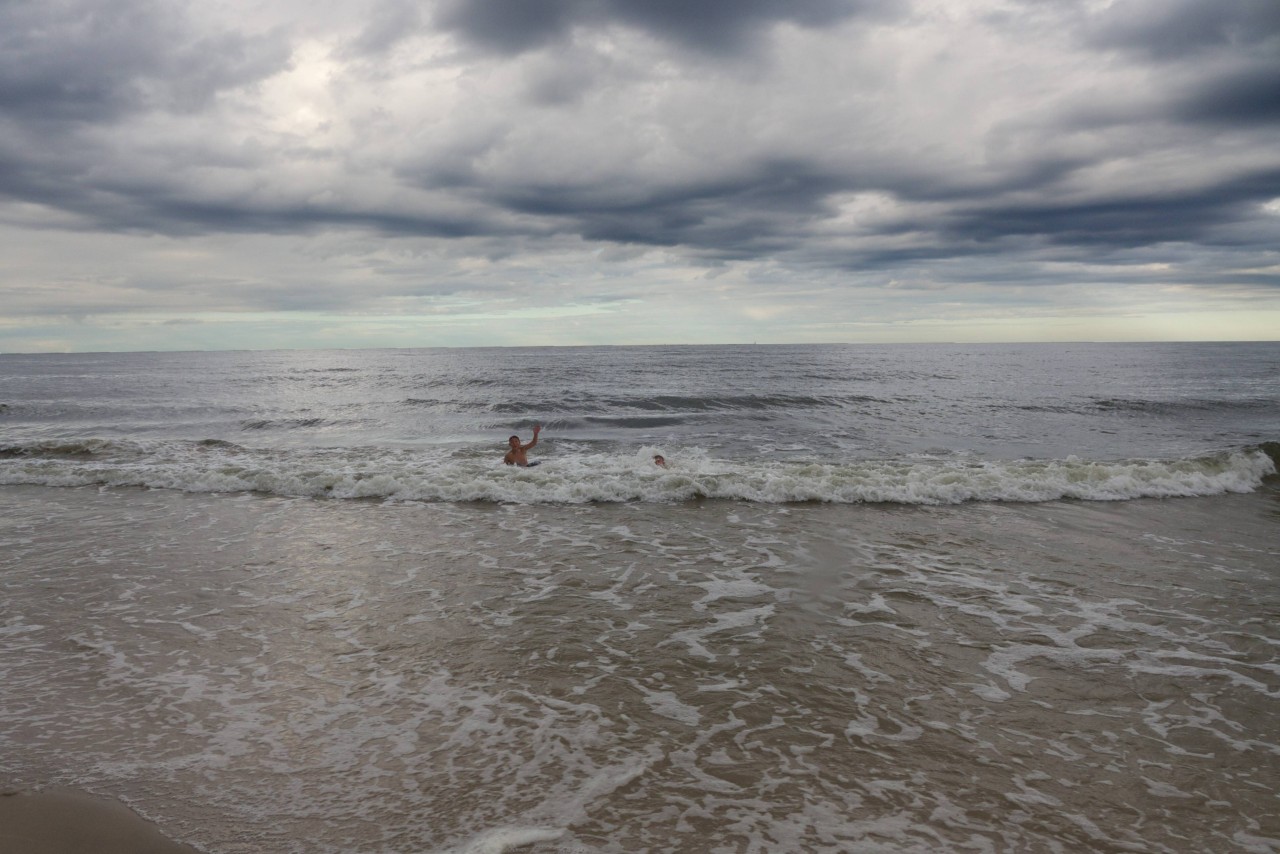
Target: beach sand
[[66, 821]]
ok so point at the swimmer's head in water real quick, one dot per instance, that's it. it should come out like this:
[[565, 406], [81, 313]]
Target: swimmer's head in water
[[514, 441], [657, 458]]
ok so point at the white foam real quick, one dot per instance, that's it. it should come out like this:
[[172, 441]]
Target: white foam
[[694, 638], [1004, 663], [735, 588], [16, 627], [325, 690], [666, 703], [432, 475], [501, 839]]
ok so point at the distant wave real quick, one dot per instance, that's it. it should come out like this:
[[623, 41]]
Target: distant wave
[[280, 423], [1163, 407], [298, 423], [376, 473], [634, 422], [690, 404], [56, 450]]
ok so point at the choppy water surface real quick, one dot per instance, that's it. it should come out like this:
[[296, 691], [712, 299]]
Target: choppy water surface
[[283, 675], [924, 424], [925, 599]]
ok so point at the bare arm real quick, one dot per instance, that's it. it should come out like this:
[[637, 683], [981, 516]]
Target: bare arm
[[537, 428]]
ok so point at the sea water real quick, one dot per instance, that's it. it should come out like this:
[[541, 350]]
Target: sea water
[[913, 598], [770, 424]]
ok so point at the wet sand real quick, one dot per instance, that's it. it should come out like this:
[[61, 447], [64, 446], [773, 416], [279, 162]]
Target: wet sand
[[66, 821]]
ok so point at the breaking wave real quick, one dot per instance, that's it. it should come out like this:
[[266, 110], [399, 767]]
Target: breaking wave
[[572, 478]]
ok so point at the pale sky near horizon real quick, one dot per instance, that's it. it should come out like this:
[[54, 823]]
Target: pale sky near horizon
[[396, 173]]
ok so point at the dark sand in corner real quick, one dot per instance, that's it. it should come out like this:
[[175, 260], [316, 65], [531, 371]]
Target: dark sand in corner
[[64, 821]]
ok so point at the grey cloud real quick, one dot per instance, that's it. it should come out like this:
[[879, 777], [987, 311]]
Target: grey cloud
[[1179, 29], [720, 26], [1106, 222], [759, 209], [1221, 57], [561, 84], [506, 27], [86, 61], [772, 205], [1119, 221], [64, 62], [389, 22], [69, 62], [1243, 97], [711, 26], [771, 212], [178, 216]]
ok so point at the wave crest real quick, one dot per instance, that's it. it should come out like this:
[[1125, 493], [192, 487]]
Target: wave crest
[[464, 475]]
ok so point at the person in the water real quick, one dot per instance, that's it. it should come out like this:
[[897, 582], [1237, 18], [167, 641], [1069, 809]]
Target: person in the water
[[659, 460], [518, 455]]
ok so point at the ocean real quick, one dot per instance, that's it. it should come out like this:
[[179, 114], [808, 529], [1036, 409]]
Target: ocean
[[900, 598]]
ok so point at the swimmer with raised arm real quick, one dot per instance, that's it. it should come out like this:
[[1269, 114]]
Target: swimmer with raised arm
[[518, 455]]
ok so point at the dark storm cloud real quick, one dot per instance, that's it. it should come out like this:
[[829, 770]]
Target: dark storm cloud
[[771, 207], [507, 27], [62, 62], [770, 204], [1208, 75], [1245, 97], [713, 26], [87, 61], [1220, 58], [1121, 219], [752, 211], [1181, 30], [198, 218]]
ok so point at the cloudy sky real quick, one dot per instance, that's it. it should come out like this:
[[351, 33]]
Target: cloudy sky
[[360, 173]]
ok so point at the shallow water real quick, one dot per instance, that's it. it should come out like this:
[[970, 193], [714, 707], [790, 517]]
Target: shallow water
[[899, 599], [266, 674]]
